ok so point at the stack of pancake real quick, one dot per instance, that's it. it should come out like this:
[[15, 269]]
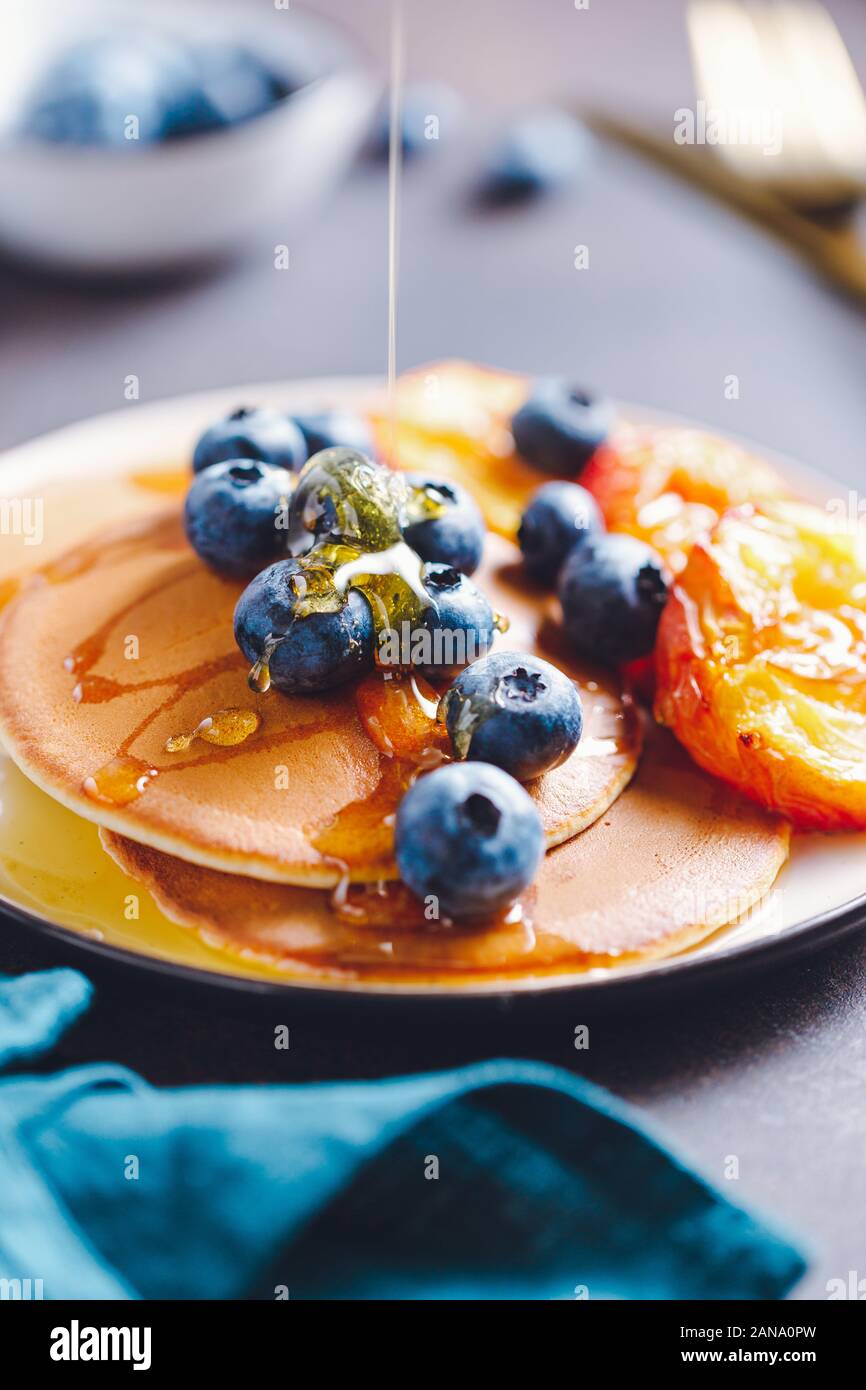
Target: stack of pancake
[[279, 848]]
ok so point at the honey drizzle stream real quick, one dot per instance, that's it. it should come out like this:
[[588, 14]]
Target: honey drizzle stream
[[395, 161]]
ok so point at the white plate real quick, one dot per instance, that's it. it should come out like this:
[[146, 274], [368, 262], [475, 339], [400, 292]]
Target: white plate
[[820, 893]]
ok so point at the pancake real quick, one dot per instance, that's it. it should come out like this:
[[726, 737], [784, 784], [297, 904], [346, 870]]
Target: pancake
[[68, 513], [675, 858], [126, 641]]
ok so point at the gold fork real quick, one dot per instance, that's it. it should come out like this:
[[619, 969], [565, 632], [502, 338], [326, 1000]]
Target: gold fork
[[785, 69], [766, 60]]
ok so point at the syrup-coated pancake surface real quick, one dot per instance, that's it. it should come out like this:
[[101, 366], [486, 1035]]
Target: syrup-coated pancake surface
[[126, 642], [676, 857]]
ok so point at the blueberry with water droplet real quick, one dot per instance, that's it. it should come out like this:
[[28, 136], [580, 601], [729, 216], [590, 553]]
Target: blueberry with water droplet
[[516, 711]]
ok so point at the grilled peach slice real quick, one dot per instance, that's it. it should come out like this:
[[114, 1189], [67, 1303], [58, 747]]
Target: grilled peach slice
[[669, 485], [452, 420], [761, 661]]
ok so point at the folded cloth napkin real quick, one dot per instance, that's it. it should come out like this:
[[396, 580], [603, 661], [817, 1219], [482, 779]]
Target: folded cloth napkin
[[506, 1179]]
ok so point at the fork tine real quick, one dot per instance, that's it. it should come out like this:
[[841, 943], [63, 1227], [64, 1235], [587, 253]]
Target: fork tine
[[785, 63], [830, 87], [726, 54], [790, 92], [731, 72]]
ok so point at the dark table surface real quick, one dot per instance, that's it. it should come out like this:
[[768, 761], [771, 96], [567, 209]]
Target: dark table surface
[[679, 295]]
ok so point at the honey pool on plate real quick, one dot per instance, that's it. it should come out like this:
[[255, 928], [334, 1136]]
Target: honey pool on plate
[[52, 864]]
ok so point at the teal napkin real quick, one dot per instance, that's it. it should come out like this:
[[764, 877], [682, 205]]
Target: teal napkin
[[508, 1179]]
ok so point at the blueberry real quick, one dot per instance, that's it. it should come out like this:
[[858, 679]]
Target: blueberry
[[236, 515], [172, 88], [87, 94], [327, 429], [231, 84], [542, 152], [469, 836], [430, 112], [461, 624], [516, 711], [559, 516], [560, 426], [613, 591], [446, 524], [311, 653], [252, 434]]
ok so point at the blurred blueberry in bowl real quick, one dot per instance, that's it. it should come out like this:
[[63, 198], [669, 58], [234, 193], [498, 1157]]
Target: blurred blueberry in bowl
[[161, 143], [108, 90], [232, 83], [540, 153], [139, 85]]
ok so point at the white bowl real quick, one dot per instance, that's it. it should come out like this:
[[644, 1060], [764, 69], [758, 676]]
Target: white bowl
[[118, 211]]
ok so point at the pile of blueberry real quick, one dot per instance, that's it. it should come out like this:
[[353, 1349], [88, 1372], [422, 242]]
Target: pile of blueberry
[[349, 517], [246, 470], [169, 86], [509, 716], [289, 500], [297, 501], [612, 587]]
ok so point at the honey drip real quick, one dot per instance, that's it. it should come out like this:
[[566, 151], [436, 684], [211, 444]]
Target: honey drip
[[226, 729], [120, 781], [362, 833], [259, 678]]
